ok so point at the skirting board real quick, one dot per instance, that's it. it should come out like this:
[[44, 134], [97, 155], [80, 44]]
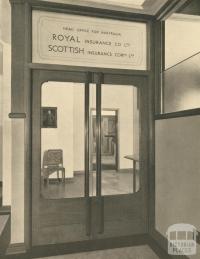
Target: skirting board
[[123, 170], [5, 210], [162, 242], [19, 251], [15, 249], [4, 233], [86, 246]]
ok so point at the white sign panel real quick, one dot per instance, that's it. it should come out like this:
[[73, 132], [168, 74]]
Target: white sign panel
[[85, 41]]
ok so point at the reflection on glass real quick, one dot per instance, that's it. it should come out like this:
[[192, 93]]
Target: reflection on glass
[[119, 140], [181, 86], [62, 140]]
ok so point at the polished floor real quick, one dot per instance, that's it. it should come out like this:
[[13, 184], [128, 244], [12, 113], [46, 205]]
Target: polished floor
[[138, 252], [107, 162], [113, 183]]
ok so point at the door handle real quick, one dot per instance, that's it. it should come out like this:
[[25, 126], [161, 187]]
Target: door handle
[[87, 169], [100, 199]]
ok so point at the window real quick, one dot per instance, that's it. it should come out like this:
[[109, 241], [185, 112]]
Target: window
[[181, 77]]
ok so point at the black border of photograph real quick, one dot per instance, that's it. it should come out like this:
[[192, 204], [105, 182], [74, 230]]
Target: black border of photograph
[[49, 117]]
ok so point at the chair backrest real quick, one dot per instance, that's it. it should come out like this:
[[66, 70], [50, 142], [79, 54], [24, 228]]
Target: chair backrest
[[53, 157]]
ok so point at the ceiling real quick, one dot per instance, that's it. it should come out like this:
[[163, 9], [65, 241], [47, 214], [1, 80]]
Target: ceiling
[[192, 8], [137, 4], [150, 7]]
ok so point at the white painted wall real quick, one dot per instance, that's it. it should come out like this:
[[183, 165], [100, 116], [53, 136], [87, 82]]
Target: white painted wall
[[1, 111], [121, 98], [6, 122], [17, 200], [12, 136], [60, 95], [5, 38], [1, 100], [79, 127]]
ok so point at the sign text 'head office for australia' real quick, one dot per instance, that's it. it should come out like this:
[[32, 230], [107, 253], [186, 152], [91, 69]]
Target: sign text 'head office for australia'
[[72, 39]]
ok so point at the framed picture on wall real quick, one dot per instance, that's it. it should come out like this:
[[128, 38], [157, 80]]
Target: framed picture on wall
[[49, 117]]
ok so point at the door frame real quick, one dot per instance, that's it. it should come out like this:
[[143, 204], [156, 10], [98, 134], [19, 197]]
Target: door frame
[[42, 75], [23, 68], [117, 134], [38, 78]]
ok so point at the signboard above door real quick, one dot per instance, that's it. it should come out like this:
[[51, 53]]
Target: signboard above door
[[76, 40]]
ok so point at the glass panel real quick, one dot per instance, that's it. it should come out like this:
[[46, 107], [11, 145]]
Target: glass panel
[[181, 86], [92, 139], [62, 140], [119, 140]]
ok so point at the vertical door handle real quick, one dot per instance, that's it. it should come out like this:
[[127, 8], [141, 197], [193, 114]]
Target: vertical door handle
[[87, 144], [98, 137], [100, 200]]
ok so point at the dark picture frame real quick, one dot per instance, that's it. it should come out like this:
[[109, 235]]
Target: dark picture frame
[[49, 117]]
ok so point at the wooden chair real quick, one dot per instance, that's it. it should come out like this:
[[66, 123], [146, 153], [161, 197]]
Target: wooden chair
[[53, 162]]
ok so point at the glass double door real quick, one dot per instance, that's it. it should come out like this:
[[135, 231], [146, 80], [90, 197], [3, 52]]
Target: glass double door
[[89, 156]]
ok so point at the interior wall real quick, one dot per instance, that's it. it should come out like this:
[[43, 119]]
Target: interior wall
[[1, 100], [17, 200], [60, 95], [121, 97], [136, 123], [7, 139], [5, 40], [79, 127], [1, 111], [5, 21], [177, 146], [177, 172]]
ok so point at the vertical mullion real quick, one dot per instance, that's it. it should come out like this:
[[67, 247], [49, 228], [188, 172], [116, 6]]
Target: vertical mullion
[[162, 77], [87, 150], [98, 138], [98, 135], [87, 101], [100, 200]]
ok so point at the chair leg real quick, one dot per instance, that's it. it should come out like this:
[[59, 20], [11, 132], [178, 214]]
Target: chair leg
[[58, 175], [63, 175]]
